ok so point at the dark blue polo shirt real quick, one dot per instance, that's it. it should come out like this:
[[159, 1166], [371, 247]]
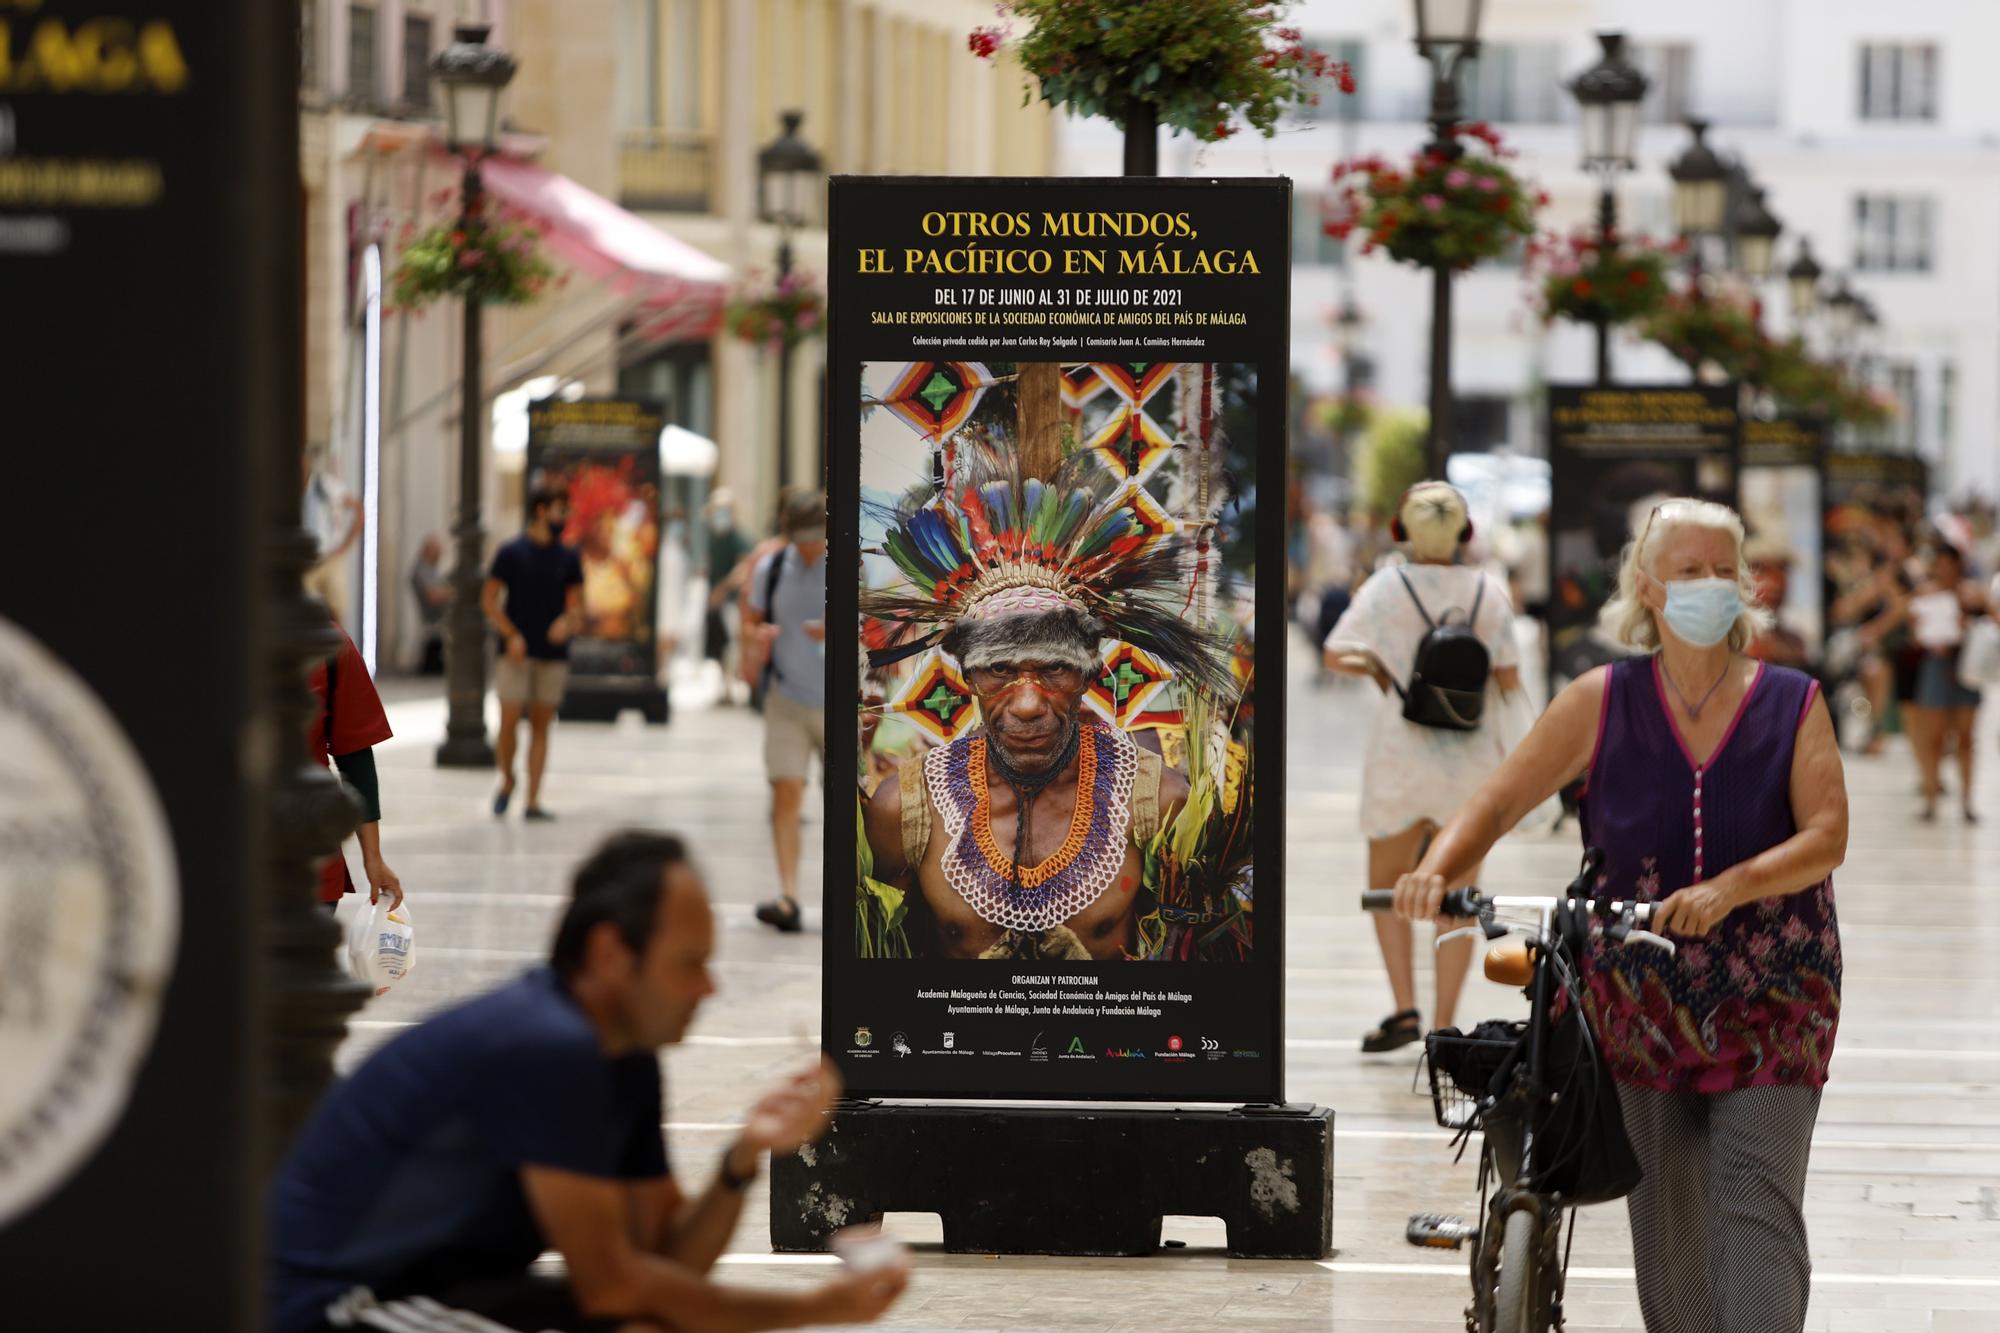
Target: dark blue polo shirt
[[408, 1175]]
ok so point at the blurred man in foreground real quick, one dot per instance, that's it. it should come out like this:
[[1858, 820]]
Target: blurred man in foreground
[[529, 1119]]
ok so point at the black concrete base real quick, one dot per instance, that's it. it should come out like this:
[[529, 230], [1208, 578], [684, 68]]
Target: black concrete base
[[1065, 1181], [587, 701]]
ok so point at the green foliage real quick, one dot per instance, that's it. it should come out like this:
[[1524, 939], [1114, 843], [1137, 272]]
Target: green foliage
[[490, 256], [1707, 330], [1197, 64], [1703, 330], [1199, 866], [881, 911], [1391, 459]]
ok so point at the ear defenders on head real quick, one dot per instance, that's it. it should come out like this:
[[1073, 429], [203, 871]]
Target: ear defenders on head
[[1399, 533]]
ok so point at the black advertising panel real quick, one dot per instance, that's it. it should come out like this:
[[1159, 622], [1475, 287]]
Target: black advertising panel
[[1614, 454], [1783, 458], [1055, 835], [150, 345], [605, 452]]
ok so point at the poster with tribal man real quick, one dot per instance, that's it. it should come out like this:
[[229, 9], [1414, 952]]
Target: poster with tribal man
[[1057, 618]]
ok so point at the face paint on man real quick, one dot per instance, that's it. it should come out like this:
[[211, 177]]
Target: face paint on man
[[1029, 708]]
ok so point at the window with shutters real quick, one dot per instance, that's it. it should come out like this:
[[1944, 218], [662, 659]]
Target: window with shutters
[[417, 61], [1898, 81], [1517, 82], [1893, 233], [1669, 66], [363, 76]]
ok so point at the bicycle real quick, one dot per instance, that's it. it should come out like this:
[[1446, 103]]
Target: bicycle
[[1518, 1083]]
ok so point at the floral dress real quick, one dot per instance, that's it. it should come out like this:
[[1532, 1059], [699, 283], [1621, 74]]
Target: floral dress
[[1756, 1002]]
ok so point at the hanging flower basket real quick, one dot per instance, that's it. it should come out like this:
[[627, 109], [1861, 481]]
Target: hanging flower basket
[[1437, 211], [1584, 280], [1704, 330], [1196, 65], [1801, 383], [488, 254], [784, 314]]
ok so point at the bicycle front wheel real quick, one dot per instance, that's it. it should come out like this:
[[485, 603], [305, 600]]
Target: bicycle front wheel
[[1518, 1306]]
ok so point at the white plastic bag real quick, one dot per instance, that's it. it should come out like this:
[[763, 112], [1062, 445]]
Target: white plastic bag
[[378, 946], [1979, 657]]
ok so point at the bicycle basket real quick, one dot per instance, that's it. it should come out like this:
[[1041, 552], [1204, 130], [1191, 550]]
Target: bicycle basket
[[1464, 1067]]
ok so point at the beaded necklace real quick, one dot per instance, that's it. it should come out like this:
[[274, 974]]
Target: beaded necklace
[[1076, 874]]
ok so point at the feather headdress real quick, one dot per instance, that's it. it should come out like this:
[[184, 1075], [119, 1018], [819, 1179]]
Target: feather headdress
[[997, 557]]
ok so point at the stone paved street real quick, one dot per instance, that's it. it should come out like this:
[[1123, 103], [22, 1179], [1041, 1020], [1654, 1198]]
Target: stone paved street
[[1903, 1199]]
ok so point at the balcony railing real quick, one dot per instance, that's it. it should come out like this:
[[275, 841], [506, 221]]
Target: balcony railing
[[666, 170]]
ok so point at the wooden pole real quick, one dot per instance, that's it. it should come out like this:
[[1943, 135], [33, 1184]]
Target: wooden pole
[[1039, 418]]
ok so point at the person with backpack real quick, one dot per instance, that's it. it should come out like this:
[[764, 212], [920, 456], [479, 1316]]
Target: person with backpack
[[1432, 634], [786, 620]]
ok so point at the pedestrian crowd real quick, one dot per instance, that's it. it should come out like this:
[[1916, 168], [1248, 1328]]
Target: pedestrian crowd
[[1706, 760]]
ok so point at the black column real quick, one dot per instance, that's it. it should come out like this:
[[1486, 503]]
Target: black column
[[465, 744], [152, 341], [1607, 238]]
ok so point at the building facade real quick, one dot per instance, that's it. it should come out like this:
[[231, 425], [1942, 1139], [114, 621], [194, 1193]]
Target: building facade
[[659, 106], [1869, 125]]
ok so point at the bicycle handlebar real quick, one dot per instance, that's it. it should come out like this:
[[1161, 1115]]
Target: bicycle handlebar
[[1457, 902], [1468, 902]]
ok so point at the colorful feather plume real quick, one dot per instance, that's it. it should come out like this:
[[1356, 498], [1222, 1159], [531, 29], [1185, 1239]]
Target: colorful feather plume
[[1086, 534]]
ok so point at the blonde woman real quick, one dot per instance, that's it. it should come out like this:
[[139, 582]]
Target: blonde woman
[[1414, 778], [1713, 785]]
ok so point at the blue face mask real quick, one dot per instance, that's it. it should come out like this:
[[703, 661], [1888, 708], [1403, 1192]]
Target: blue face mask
[[1700, 612]]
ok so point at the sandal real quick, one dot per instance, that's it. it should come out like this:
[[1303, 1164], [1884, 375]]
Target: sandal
[[783, 914], [1396, 1031]]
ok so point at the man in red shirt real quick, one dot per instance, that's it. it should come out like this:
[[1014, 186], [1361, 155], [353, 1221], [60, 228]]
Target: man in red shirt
[[347, 722]]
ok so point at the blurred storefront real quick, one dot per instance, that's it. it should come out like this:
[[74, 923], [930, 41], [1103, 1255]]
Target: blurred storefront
[[633, 126]]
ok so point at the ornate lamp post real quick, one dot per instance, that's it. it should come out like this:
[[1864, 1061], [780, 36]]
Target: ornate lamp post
[[1608, 96], [1701, 197], [1802, 280], [472, 73], [788, 173], [1755, 232], [1843, 318], [1447, 36]]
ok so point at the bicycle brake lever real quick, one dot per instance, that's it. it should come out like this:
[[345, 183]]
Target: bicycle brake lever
[[1647, 937], [1451, 935]]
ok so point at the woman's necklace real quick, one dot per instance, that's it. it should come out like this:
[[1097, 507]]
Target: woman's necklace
[[1694, 709]]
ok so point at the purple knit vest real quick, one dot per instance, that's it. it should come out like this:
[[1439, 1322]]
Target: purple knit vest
[[1756, 1002]]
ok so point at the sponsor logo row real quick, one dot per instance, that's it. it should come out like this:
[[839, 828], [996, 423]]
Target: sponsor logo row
[[1045, 1047]]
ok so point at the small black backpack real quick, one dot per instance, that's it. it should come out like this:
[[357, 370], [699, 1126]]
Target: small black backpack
[[1448, 680]]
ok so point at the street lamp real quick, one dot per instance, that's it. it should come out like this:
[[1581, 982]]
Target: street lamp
[[788, 176], [473, 74], [1803, 278], [1701, 186], [1447, 36], [1608, 96], [1347, 324], [1756, 234], [1843, 314]]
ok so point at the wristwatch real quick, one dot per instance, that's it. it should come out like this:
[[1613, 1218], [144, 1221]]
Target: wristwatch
[[733, 1182]]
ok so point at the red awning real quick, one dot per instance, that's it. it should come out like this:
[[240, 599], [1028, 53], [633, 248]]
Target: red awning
[[679, 290]]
